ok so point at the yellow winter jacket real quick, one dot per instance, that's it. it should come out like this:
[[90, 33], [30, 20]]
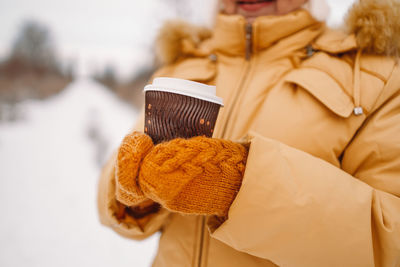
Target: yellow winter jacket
[[322, 114]]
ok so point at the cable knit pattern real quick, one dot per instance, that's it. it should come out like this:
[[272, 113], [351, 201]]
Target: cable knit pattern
[[133, 149], [196, 176]]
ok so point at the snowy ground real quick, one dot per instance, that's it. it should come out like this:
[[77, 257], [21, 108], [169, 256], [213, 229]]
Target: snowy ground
[[49, 167]]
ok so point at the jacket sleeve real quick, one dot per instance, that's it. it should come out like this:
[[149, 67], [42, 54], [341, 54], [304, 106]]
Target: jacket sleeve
[[298, 210], [108, 208]]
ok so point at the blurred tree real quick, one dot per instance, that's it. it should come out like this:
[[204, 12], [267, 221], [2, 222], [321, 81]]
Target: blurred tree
[[32, 70], [133, 90], [34, 49], [107, 77], [69, 69]]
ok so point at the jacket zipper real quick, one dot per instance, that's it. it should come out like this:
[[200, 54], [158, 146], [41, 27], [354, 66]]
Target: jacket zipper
[[200, 256], [248, 52], [249, 41]]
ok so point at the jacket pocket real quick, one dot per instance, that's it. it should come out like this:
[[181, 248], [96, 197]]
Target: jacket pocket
[[324, 88]]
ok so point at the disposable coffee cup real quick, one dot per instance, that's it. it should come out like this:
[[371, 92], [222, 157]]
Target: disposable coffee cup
[[177, 108]]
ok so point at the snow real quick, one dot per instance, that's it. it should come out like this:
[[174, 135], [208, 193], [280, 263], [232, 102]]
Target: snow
[[49, 168]]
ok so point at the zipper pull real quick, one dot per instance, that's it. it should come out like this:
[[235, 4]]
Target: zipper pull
[[249, 40]]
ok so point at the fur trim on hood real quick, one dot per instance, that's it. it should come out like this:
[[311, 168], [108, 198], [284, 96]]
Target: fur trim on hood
[[375, 24], [174, 36]]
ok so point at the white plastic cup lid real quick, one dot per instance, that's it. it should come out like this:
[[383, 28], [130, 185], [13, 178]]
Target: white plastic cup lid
[[185, 87]]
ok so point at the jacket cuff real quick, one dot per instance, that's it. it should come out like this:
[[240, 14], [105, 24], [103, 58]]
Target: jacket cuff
[[138, 223]]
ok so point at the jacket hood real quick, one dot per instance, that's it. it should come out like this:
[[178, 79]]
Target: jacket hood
[[374, 23], [176, 37]]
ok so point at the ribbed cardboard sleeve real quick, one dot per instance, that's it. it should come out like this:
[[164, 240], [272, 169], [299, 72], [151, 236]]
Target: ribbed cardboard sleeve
[[170, 115]]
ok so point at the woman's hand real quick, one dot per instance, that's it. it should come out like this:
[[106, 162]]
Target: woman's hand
[[195, 176], [131, 153]]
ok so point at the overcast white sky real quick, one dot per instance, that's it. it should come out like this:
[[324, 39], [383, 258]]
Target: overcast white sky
[[97, 32]]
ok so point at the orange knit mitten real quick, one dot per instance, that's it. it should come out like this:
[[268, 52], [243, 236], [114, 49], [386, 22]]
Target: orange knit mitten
[[196, 176], [133, 149]]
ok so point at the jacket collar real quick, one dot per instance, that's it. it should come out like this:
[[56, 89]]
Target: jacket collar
[[372, 26], [230, 32]]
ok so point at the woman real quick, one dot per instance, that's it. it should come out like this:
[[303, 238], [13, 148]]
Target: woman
[[311, 174]]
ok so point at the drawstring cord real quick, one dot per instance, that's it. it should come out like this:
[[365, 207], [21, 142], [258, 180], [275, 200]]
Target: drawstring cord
[[358, 110]]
